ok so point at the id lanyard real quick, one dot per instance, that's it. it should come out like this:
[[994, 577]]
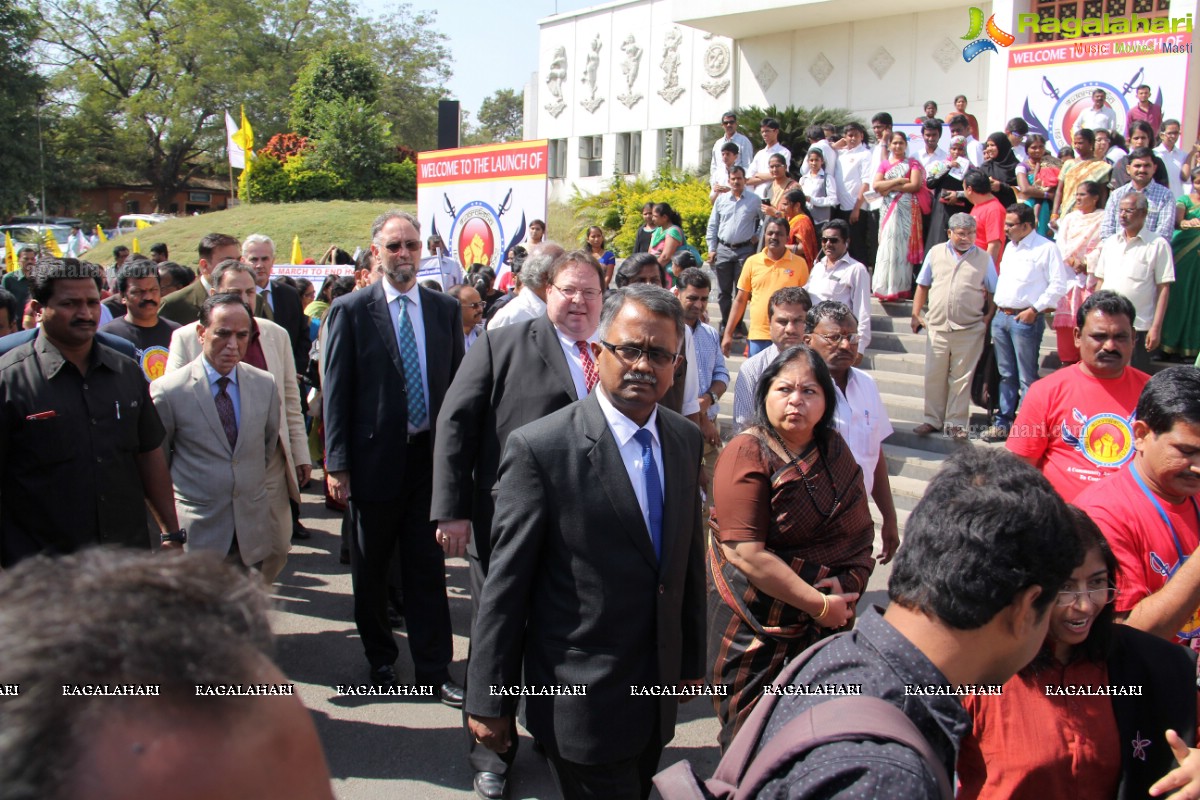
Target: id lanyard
[[1162, 513]]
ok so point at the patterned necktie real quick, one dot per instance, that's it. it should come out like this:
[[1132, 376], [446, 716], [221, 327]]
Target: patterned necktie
[[225, 411], [412, 366], [590, 376], [654, 498]]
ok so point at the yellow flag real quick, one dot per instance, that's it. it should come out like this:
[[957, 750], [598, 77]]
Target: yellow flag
[[52, 244], [141, 223], [244, 138], [100, 234], [10, 254], [135, 248], [297, 256]]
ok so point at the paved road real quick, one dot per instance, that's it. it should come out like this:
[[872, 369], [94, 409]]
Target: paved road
[[401, 748]]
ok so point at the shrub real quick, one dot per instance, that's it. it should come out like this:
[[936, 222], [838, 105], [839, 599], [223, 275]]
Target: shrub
[[395, 182], [792, 122]]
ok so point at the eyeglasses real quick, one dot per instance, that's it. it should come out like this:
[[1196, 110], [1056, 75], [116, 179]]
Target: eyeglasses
[[1100, 597], [571, 292], [837, 338], [631, 355], [411, 245], [729, 122], [480, 304]]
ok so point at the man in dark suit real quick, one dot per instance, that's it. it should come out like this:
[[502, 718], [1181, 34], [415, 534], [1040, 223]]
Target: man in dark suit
[[259, 252], [184, 305], [511, 376], [391, 352], [597, 566]]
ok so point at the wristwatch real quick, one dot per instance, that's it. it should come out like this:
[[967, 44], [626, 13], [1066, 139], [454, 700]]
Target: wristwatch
[[177, 536], [712, 397]]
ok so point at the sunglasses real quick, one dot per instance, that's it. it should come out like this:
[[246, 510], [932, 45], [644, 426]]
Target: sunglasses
[[830, 239], [411, 245]]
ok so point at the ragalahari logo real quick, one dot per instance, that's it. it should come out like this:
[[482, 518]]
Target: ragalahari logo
[[995, 36]]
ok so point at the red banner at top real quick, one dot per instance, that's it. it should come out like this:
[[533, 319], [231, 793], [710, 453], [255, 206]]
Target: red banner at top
[[492, 162]]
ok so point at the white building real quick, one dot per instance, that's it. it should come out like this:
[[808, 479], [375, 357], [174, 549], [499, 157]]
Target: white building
[[621, 84]]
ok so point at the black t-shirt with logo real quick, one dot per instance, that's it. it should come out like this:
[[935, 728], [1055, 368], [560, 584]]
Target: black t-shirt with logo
[[152, 344]]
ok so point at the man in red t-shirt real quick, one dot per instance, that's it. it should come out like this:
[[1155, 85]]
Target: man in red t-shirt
[[988, 213], [1149, 514], [1076, 425]]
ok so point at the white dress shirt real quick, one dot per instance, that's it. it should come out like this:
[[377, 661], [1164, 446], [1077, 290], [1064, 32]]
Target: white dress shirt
[[417, 317], [1103, 120], [526, 305], [1032, 274], [623, 429], [1134, 268], [862, 420], [851, 165], [1173, 159], [717, 172], [831, 155], [974, 150], [820, 191], [879, 156], [760, 164], [846, 281], [575, 361], [926, 158]]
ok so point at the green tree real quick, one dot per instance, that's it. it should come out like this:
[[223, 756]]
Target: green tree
[[20, 86], [792, 122], [334, 73], [501, 118], [352, 142]]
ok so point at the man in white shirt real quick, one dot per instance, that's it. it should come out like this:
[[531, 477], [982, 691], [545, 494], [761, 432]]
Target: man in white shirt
[[959, 126], [745, 149], [1098, 117], [719, 176], [1137, 263], [851, 172], [758, 176], [1016, 130], [439, 266], [840, 278], [1033, 278], [931, 132], [861, 418], [535, 282], [1173, 156]]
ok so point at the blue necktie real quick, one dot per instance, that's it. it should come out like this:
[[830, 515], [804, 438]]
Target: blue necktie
[[654, 498], [412, 366]]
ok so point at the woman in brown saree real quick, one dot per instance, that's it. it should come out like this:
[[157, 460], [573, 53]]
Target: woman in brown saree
[[791, 551]]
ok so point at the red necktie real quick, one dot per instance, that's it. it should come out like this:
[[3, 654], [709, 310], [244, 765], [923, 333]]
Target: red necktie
[[590, 376]]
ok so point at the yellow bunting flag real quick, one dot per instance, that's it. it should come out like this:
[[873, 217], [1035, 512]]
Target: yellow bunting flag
[[244, 137], [100, 234], [135, 247], [10, 254], [51, 244], [297, 256], [141, 223]]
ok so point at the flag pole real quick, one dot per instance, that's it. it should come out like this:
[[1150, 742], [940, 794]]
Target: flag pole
[[232, 193]]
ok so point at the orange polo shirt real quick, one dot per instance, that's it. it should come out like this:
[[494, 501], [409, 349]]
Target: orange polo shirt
[[762, 277]]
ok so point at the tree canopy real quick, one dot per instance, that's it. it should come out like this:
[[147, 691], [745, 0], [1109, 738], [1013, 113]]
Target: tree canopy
[[501, 118], [19, 89]]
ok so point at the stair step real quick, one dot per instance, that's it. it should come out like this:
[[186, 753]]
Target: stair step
[[906, 462], [907, 492], [882, 362]]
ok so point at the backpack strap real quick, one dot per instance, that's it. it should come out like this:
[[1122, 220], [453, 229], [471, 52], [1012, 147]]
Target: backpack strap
[[840, 720]]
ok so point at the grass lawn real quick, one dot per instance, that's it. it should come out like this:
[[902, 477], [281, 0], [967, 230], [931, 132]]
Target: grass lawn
[[318, 224]]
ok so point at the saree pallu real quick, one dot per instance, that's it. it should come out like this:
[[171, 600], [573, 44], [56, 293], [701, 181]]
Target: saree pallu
[[1181, 327], [1075, 172], [778, 192], [1078, 237], [751, 635], [900, 240]]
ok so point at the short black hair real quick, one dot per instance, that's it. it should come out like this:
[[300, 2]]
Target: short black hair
[[1171, 396], [1109, 303], [770, 122], [48, 270], [789, 296], [989, 527], [977, 182], [343, 285], [119, 249], [1017, 125], [1087, 134], [814, 133], [736, 169], [180, 275], [141, 268], [820, 370], [693, 277], [883, 118], [159, 247], [931, 125], [212, 241], [1022, 212], [840, 226], [828, 310], [222, 299], [1144, 153], [631, 266], [729, 147], [855, 126], [8, 301]]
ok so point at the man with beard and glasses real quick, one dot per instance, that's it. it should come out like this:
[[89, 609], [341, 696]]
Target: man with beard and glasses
[[138, 286], [1076, 425], [391, 351], [79, 437]]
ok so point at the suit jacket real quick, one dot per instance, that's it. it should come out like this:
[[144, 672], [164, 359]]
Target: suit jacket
[[366, 405], [219, 489], [184, 305], [510, 377], [575, 595], [290, 316], [293, 437]]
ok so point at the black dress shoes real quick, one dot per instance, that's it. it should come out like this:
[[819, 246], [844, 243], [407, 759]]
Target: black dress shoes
[[491, 786], [300, 533], [451, 694], [384, 676]]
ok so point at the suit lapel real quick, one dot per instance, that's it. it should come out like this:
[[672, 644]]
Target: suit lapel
[[677, 506], [208, 406], [545, 339], [377, 307], [606, 459]]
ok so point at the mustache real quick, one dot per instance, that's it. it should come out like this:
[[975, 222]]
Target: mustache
[[633, 376], [147, 303], [82, 324]]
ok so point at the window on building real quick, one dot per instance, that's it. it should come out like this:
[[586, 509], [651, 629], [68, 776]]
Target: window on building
[[557, 156], [200, 197], [670, 147], [591, 153], [629, 153], [1146, 9]]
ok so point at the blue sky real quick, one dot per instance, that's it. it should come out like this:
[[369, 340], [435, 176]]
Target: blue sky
[[494, 42]]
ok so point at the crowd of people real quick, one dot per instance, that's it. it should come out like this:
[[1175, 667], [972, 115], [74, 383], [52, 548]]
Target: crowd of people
[[624, 552]]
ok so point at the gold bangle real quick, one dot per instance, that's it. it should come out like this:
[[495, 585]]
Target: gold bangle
[[824, 607]]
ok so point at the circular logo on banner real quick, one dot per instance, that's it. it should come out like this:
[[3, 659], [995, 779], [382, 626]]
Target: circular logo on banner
[[1075, 101], [477, 235], [1106, 440], [154, 362]]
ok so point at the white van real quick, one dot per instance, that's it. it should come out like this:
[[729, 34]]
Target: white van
[[128, 222]]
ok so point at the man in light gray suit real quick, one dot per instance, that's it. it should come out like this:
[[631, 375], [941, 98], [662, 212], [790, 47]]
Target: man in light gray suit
[[222, 427], [269, 349]]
